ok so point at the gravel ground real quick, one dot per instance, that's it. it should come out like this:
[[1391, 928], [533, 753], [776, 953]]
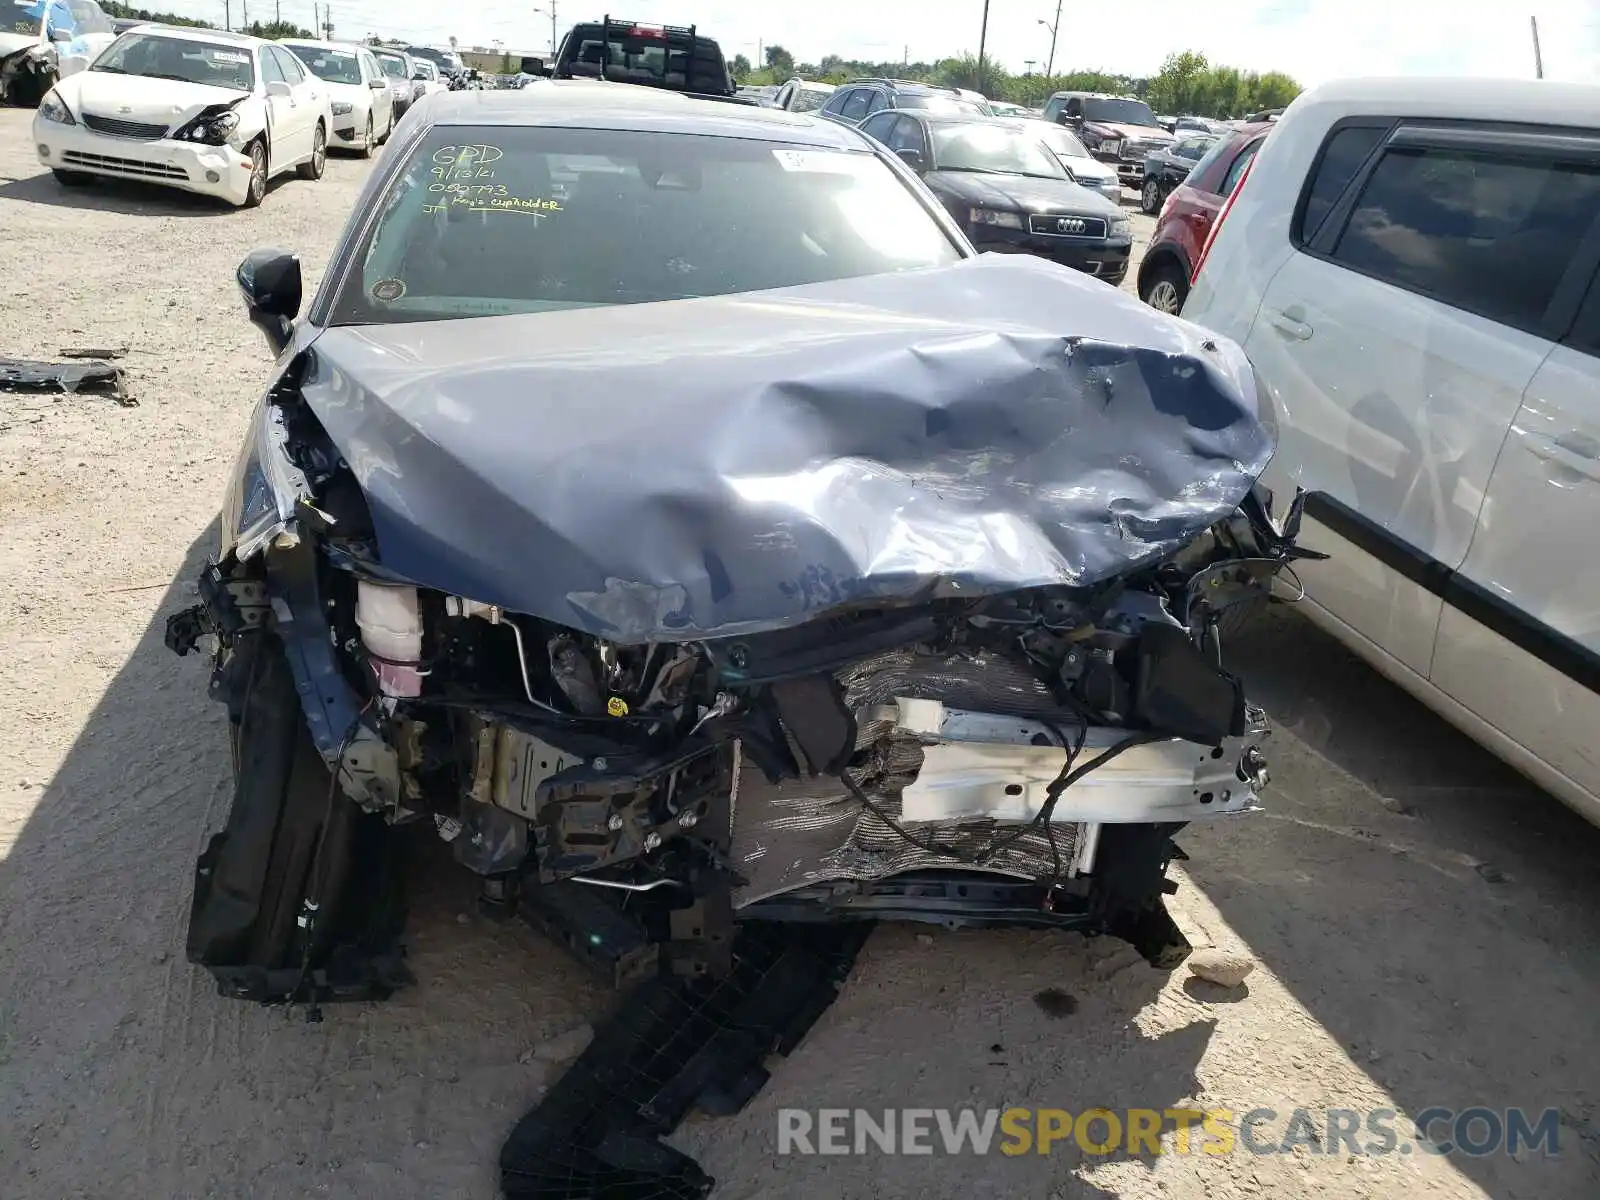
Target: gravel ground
[[1424, 922]]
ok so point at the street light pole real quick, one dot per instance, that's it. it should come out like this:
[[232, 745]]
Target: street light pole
[[983, 37], [1050, 64]]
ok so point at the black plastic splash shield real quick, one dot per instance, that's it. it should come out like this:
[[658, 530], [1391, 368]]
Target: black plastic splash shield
[[672, 1046]]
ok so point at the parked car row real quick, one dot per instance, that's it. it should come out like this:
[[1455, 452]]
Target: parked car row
[[221, 114]]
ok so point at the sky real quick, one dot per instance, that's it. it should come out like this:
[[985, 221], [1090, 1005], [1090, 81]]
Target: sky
[[1313, 40]]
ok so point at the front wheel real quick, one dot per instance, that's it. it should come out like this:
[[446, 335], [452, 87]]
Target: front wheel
[[72, 178], [313, 167], [387, 130], [1166, 288], [368, 142], [256, 192], [1150, 197]]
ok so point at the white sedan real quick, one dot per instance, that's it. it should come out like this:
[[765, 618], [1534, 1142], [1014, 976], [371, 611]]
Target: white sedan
[[363, 105], [215, 113]]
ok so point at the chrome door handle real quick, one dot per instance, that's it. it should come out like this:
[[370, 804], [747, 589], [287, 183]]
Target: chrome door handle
[[1291, 324]]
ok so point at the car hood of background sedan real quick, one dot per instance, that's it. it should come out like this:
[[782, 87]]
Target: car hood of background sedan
[[141, 98], [1019, 193], [720, 466]]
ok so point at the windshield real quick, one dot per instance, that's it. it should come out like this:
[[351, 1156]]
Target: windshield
[[495, 220], [1061, 140], [426, 69], [1119, 112], [991, 148], [810, 99], [160, 57], [335, 66], [393, 66]]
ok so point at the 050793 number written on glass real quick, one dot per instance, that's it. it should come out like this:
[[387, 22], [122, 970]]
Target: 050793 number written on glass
[[462, 175]]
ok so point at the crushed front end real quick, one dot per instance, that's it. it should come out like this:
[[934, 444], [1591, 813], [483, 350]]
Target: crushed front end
[[993, 702]]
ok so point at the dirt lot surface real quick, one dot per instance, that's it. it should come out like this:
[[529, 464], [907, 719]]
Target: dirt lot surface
[[1425, 924]]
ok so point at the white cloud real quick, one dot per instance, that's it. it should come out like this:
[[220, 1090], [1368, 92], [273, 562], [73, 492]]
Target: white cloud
[[1312, 40]]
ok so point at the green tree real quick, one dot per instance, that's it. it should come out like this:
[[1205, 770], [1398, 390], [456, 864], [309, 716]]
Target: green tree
[[1274, 90], [740, 67], [780, 61], [273, 30]]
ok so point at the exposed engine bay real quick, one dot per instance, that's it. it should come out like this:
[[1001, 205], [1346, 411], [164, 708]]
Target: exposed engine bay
[[1022, 758]]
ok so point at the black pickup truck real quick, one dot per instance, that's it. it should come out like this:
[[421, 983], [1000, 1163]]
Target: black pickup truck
[[674, 57]]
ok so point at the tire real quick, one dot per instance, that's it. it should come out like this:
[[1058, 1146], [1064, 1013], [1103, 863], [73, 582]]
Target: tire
[[368, 143], [1150, 198], [313, 167], [257, 191], [72, 178], [1165, 288], [388, 130]]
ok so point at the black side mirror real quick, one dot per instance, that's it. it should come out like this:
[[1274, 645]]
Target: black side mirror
[[269, 280], [533, 66], [912, 158]]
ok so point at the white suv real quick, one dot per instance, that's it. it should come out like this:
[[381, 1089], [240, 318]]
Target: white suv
[[1411, 265]]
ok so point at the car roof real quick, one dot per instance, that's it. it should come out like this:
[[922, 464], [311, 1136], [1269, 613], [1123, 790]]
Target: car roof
[[1539, 100], [322, 44], [600, 104], [191, 33]]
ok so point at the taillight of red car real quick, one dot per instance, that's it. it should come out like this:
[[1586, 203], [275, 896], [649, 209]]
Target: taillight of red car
[[1227, 207]]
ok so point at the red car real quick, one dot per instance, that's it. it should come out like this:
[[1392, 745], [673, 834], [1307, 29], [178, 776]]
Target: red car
[[1188, 214]]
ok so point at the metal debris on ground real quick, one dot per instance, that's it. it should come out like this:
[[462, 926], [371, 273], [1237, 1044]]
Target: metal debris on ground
[[676, 1044], [93, 377], [92, 352]]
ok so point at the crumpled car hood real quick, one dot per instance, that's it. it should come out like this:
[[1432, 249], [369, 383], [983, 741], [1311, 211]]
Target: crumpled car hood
[[730, 465]]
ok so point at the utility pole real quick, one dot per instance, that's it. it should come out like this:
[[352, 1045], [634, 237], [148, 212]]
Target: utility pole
[[244, 21], [1050, 64], [227, 15], [983, 38], [327, 22], [277, 12], [316, 19], [1538, 58]]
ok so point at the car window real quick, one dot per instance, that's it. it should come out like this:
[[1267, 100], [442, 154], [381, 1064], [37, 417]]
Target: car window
[[394, 68], [1342, 157], [1479, 231], [836, 102], [878, 126], [855, 104], [907, 135], [271, 72], [334, 66], [494, 220], [1585, 335], [1119, 111], [1236, 169], [876, 100], [374, 71], [293, 72], [1075, 107], [189, 60]]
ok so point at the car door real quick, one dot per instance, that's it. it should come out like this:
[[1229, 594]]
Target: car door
[[283, 129], [306, 90], [382, 101], [1398, 338], [1519, 639]]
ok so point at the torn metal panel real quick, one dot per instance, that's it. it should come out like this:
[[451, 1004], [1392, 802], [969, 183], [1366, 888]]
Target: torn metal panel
[[739, 464], [92, 378]]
